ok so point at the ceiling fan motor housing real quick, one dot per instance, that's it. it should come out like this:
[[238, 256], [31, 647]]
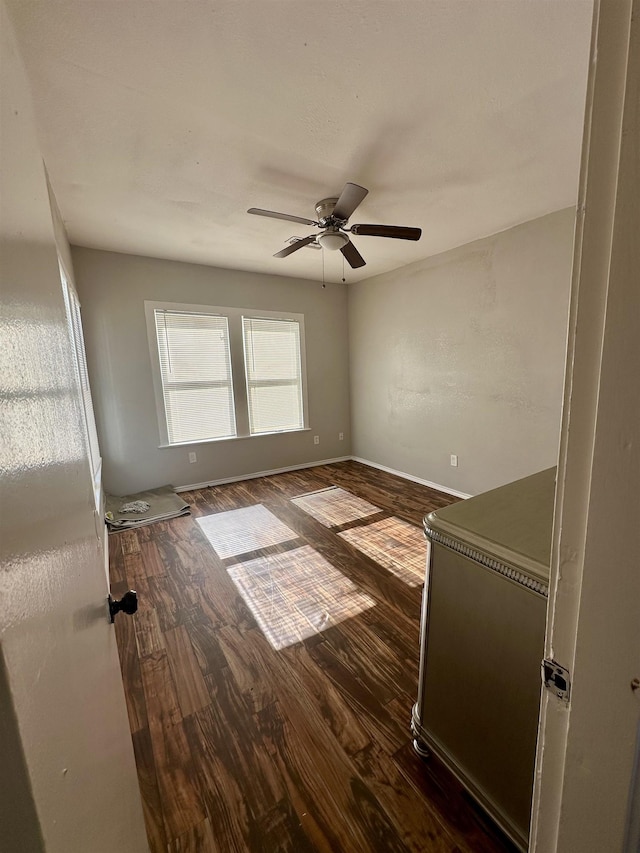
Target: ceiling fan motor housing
[[324, 210]]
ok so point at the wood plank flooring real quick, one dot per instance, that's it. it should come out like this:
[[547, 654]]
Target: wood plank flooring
[[295, 737]]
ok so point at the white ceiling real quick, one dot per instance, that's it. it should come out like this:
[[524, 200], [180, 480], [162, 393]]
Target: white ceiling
[[162, 122]]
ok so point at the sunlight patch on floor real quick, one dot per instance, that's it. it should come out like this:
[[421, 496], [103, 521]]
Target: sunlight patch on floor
[[240, 531], [334, 506], [394, 544], [297, 594]]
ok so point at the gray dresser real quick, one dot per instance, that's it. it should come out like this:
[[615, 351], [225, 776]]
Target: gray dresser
[[482, 641]]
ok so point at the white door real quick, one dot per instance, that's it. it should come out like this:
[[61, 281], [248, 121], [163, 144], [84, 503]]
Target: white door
[[67, 775], [587, 785]]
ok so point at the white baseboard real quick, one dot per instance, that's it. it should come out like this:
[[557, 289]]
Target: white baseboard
[[259, 474], [402, 474], [413, 479]]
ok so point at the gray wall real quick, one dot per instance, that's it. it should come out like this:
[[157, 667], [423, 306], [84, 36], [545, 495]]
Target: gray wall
[[112, 289], [464, 354]]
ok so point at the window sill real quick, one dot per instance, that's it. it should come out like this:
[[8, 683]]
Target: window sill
[[232, 438]]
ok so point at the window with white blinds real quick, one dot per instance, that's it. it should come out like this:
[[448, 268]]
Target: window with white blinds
[[223, 373], [274, 374], [195, 368]]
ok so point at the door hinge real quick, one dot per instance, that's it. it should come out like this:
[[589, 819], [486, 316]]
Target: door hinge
[[556, 679]]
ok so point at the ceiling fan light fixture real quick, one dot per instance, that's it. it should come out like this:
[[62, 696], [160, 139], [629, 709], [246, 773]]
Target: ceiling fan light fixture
[[332, 240]]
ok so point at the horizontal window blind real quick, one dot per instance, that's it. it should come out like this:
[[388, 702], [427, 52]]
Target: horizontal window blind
[[274, 374], [195, 367]]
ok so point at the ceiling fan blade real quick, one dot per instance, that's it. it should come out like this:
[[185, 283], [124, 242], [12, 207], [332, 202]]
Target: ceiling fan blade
[[397, 231], [273, 215], [353, 256], [350, 198], [295, 246]]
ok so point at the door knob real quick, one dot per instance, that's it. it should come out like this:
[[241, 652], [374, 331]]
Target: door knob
[[128, 604]]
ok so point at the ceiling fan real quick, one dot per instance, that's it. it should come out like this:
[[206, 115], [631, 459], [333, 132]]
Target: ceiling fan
[[333, 215]]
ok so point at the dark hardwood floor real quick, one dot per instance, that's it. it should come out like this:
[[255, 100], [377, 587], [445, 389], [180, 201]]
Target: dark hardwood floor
[[270, 681]]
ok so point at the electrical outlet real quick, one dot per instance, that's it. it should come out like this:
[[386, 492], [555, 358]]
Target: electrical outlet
[[192, 456], [340, 436], [316, 439], [454, 460]]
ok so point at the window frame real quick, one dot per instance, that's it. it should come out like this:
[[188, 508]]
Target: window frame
[[170, 386], [238, 371], [73, 310], [274, 383]]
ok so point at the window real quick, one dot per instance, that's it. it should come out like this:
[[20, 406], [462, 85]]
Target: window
[[274, 374], [223, 373], [195, 365]]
